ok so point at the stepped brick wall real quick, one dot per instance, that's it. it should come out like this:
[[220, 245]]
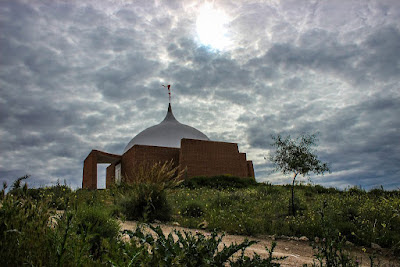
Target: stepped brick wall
[[198, 157], [209, 158], [140, 156], [250, 169]]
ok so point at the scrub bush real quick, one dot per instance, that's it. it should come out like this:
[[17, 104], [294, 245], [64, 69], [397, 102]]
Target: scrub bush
[[96, 225], [193, 209], [146, 202], [144, 198]]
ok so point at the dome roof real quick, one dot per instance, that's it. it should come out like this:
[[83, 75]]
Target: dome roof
[[167, 133]]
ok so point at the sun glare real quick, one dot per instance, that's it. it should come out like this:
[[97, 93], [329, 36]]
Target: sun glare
[[211, 28]]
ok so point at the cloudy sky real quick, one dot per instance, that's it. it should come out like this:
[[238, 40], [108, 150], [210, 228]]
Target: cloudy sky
[[82, 75]]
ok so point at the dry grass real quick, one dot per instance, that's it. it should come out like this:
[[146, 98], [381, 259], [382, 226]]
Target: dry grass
[[165, 175]]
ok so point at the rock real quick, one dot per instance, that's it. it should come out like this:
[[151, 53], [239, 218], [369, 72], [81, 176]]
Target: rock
[[176, 224], [284, 237], [286, 249], [203, 225], [157, 221], [350, 244], [125, 238], [375, 246], [295, 238], [273, 237], [316, 239], [303, 238]]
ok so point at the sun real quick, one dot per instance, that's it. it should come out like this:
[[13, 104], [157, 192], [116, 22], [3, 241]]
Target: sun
[[211, 27]]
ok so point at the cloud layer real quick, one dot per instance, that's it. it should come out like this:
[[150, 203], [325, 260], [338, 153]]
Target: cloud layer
[[76, 76]]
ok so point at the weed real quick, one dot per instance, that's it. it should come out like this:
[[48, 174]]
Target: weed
[[195, 250], [24, 231]]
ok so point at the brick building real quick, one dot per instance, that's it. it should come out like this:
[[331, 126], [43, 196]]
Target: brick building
[[186, 146]]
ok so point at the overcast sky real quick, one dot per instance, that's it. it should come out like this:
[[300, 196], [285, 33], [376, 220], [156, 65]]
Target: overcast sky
[[83, 75]]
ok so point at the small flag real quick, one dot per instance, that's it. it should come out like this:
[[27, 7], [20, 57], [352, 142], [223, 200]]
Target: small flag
[[169, 91]]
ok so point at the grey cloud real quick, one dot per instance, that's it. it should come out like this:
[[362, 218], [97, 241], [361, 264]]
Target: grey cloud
[[79, 76], [207, 72], [378, 57], [354, 136], [383, 53], [327, 57], [128, 15]]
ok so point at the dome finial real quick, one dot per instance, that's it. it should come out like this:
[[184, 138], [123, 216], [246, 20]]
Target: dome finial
[[170, 115]]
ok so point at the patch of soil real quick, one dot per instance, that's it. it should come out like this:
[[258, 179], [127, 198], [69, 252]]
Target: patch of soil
[[298, 252]]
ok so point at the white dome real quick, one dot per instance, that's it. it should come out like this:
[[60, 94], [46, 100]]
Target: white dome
[[167, 133]]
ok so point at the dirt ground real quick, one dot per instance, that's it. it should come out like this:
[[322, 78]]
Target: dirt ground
[[297, 252]]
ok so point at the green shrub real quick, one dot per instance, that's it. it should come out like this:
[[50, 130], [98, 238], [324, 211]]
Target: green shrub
[[223, 200], [331, 252], [146, 202], [55, 195], [97, 225], [219, 182], [377, 192], [356, 191], [193, 209], [144, 197]]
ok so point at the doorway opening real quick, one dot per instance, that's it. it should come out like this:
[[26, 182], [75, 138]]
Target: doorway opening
[[101, 175]]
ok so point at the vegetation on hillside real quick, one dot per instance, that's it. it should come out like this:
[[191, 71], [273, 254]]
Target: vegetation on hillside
[[87, 231]]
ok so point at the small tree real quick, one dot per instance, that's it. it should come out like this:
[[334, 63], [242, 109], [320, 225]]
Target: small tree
[[296, 156]]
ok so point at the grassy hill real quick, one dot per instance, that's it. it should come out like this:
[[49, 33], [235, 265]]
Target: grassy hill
[[87, 232]]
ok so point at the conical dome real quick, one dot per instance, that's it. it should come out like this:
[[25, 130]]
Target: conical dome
[[167, 133]]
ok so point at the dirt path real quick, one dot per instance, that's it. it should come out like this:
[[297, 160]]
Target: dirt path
[[297, 252]]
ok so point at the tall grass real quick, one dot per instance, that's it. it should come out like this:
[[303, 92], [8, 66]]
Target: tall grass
[[86, 234], [144, 198], [362, 217]]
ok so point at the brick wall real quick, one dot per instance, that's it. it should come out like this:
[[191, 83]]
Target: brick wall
[[110, 175], [201, 158], [250, 169], [89, 180], [209, 158], [90, 171], [141, 156]]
